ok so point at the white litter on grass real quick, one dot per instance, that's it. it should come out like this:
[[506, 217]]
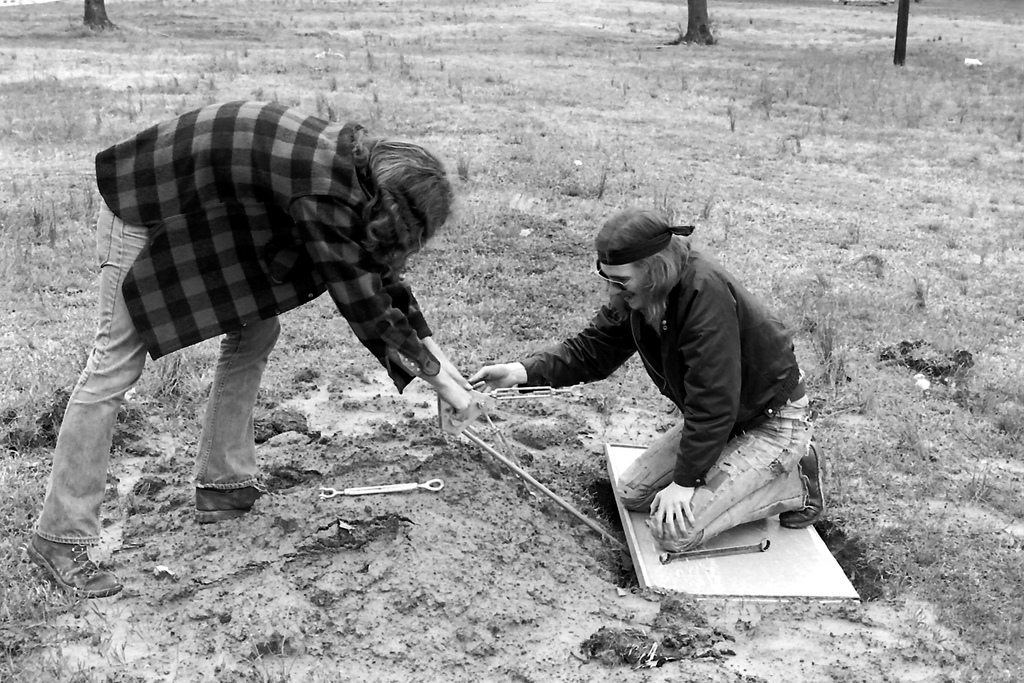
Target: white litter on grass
[[12, 3], [577, 162], [922, 382], [525, 232], [162, 572], [970, 61]]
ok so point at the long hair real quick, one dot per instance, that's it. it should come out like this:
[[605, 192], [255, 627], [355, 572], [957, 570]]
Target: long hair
[[657, 274], [413, 200]]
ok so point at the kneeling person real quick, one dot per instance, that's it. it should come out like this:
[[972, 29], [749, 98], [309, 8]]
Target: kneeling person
[[742, 451]]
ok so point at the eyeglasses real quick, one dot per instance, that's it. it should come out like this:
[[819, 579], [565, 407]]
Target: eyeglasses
[[617, 282]]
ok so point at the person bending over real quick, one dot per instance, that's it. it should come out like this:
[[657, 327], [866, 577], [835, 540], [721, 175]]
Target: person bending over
[[742, 450], [213, 224]]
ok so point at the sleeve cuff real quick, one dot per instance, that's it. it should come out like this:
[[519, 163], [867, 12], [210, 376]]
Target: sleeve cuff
[[424, 365], [691, 482], [529, 364]]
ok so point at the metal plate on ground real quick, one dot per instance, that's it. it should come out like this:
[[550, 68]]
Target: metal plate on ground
[[796, 565]]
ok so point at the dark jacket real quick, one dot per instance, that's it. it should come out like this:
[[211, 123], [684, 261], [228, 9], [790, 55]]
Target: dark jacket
[[720, 357], [254, 209]]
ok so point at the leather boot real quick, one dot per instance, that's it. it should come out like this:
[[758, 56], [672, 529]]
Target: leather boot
[[216, 505], [814, 504], [70, 567]]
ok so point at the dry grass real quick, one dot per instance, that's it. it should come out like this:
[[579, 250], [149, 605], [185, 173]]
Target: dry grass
[[867, 204]]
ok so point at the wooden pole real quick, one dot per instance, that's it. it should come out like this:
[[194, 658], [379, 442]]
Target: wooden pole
[[902, 17]]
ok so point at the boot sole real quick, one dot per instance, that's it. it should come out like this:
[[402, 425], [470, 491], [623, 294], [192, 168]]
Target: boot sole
[[43, 563], [820, 481], [803, 524]]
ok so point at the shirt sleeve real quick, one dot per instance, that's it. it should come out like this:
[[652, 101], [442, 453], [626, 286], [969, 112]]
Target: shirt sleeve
[[712, 377], [380, 309], [592, 355], [404, 300]]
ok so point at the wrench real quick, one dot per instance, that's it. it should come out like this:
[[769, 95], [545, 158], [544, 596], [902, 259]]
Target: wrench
[[759, 547]]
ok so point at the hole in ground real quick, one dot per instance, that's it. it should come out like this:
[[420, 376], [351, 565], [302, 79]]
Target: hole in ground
[[852, 556], [603, 498]]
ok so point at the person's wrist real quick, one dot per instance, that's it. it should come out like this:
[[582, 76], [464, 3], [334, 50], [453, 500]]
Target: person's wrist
[[518, 373]]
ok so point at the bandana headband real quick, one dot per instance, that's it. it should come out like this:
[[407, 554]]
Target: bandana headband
[[635, 252]]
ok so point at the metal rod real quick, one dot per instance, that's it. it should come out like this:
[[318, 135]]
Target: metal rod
[[760, 547], [432, 485], [386, 488], [525, 476]]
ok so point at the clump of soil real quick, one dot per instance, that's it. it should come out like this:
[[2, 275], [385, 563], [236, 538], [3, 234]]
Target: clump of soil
[[921, 356], [679, 631], [641, 650], [288, 476], [269, 424], [354, 534]]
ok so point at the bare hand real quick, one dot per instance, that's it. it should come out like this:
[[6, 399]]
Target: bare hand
[[499, 376], [671, 511], [457, 398], [454, 421]]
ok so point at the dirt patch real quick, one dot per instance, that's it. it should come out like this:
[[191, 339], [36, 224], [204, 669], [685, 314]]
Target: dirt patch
[[478, 581]]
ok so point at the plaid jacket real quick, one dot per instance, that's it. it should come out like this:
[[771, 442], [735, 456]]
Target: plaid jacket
[[254, 209]]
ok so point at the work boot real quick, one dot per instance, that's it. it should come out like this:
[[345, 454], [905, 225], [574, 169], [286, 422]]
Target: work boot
[[69, 565], [814, 503], [216, 505]]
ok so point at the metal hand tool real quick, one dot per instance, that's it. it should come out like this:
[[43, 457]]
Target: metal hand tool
[[432, 485], [512, 393], [759, 547]]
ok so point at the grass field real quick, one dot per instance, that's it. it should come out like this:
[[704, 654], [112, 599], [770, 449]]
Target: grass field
[[868, 204]]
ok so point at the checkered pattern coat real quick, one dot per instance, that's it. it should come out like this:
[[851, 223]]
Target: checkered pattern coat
[[254, 209]]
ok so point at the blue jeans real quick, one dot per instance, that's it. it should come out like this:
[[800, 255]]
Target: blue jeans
[[227, 450], [755, 477]]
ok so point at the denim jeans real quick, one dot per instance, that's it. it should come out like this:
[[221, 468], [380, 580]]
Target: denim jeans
[[755, 477], [227, 451]]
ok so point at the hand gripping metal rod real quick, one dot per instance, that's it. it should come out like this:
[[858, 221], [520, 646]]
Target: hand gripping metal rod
[[525, 476], [716, 552]]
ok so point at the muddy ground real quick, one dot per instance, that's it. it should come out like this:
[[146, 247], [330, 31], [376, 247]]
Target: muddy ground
[[481, 581]]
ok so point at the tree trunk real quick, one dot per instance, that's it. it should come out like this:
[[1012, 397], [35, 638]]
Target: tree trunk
[[902, 17], [698, 26], [96, 15]]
